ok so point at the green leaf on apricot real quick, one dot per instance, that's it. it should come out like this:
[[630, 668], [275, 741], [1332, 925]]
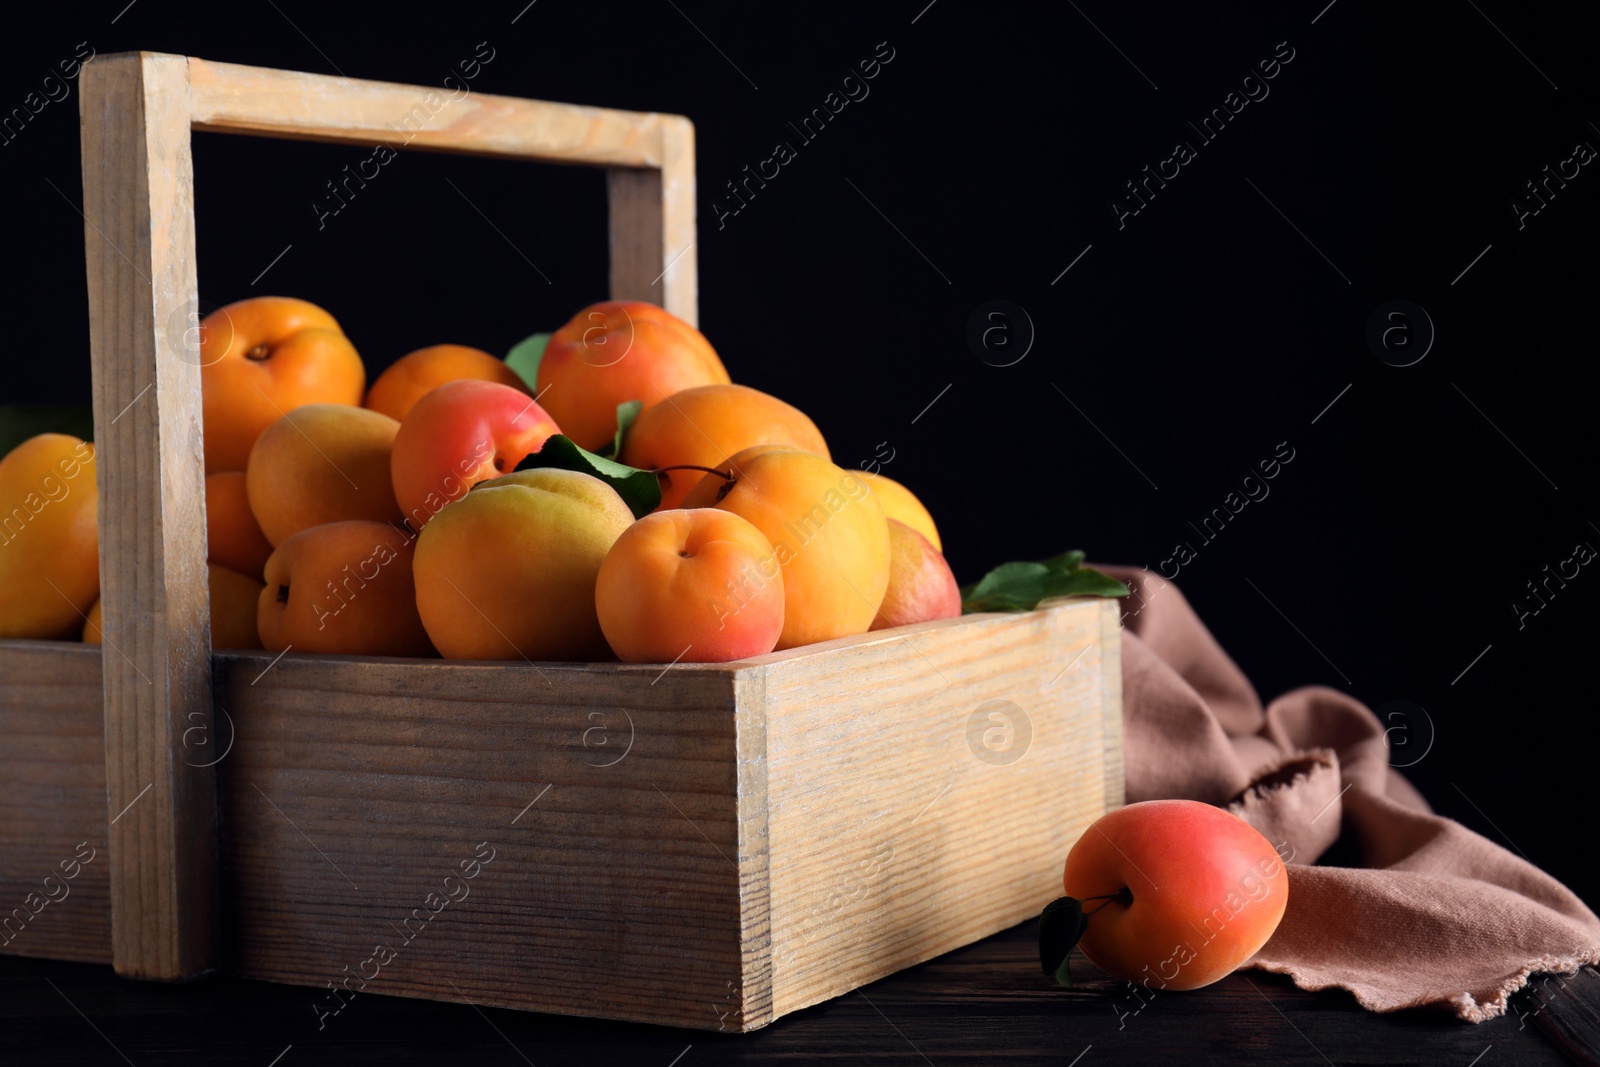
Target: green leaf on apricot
[[639, 489], [1021, 586], [627, 411], [524, 358], [18, 422], [1061, 926]]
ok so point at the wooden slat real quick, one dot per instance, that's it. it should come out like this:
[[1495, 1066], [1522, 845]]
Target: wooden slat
[[892, 840], [228, 98], [53, 804], [138, 205], [653, 255], [355, 786]]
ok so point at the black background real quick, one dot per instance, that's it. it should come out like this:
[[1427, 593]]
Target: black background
[[1199, 336]]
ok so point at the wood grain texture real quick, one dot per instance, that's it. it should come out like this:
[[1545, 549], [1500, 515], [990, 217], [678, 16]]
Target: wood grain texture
[[925, 786], [356, 786], [228, 98], [653, 255], [138, 192], [52, 764]]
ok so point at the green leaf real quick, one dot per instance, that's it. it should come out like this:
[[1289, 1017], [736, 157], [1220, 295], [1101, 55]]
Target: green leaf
[[1021, 586], [1061, 926], [627, 411], [639, 489], [18, 422], [524, 358]]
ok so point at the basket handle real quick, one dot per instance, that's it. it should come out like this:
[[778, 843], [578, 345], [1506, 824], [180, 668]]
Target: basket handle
[[137, 112]]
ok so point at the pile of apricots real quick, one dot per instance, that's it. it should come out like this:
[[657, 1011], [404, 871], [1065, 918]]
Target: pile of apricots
[[400, 519]]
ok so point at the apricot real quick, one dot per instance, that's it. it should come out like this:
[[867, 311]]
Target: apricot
[[418, 373], [233, 610], [259, 360], [233, 537], [458, 435], [826, 528], [343, 587], [921, 585], [49, 537], [509, 571], [91, 624], [698, 586], [322, 463], [1190, 892], [614, 352], [704, 425], [900, 503]]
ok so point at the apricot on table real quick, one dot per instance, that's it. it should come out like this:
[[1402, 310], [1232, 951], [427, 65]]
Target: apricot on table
[[259, 360], [699, 586], [509, 571], [458, 435], [233, 537], [616, 351], [343, 587], [49, 537], [322, 463], [418, 373], [826, 528], [703, 426]]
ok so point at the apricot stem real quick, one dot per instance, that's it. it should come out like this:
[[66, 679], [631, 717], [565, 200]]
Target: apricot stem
[[258, 353], [1123, 896], [692, 467]]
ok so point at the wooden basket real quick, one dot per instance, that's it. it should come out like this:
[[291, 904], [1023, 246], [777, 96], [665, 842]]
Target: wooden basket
[[706, 846]]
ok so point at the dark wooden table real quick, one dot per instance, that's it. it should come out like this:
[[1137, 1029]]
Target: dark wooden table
[[987, 1003]]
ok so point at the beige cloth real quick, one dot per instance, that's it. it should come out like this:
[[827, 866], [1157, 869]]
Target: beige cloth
[[1437, 915]]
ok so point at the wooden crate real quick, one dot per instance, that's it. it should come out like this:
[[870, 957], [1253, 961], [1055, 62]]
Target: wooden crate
[[707, 846]]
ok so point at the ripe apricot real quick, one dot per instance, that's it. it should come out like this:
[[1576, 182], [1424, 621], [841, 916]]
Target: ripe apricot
[[1191, 891], [343, 587], [900, 503], [614, 352], [826, 528], [259, 360], [698, 586], [509, 571], [458, 435], [49, 537], [233, 610], [418, 373], [322, 463], [921, 585], [702, 426], [233, 537], [91, 624]]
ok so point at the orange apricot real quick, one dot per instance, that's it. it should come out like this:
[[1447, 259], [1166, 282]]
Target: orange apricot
[[509, 571], [342, 587], [698, 586], [826, 528], [418, 373], [702, 426], [900, 503], [614, 352], [233, 537], [49, 537], [259, 360], [921, 585], [322, 463]]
